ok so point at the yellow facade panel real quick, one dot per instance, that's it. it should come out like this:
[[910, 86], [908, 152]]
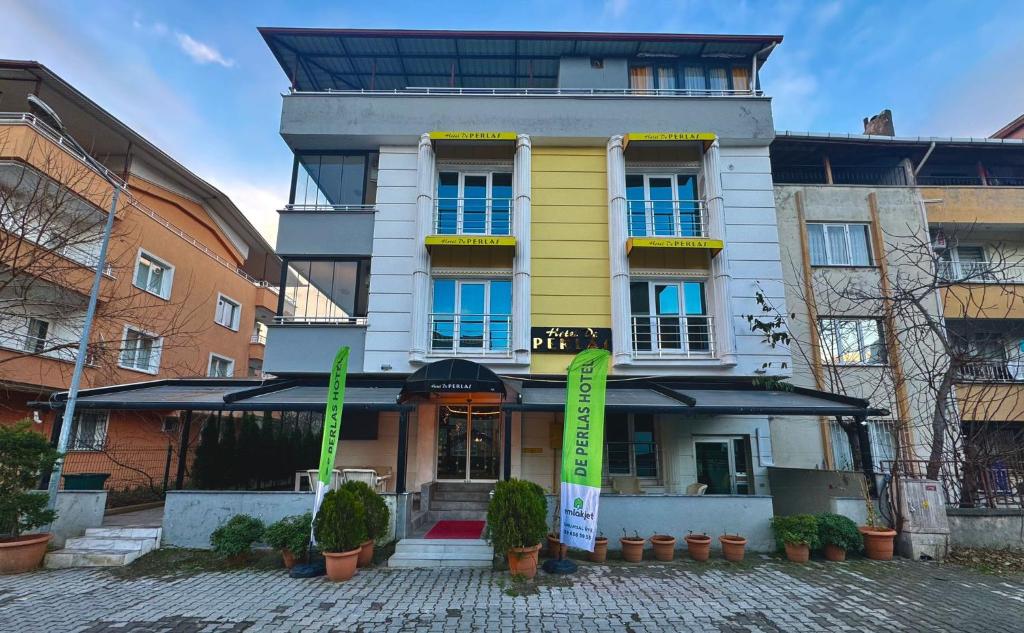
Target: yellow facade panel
[[582, 305], [565, 286], [567, 249], [557, 267], [567, 198], [569, 180], [974, 205]]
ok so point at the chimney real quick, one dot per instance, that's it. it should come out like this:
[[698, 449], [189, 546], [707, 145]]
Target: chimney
[[880, 124]]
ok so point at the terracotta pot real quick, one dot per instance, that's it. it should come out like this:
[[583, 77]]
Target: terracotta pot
[[288, 557], [365, 554], [522, 561], [22, 553], [341, 566], [878, 542], [664, 547], [554, 546], [834, 553], [798, 552], [698, 546], [733, 547], [632, 549], [600, 553]]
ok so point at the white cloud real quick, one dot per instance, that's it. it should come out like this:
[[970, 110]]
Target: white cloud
[[202, 53], [257, 202]]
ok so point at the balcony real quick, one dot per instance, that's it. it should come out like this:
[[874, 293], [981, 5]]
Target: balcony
[[308, 345], [669, 233], [472, 225], [980, 272], [672, 336], [975, 205], [471, 335], [991, 371], [324, 230]]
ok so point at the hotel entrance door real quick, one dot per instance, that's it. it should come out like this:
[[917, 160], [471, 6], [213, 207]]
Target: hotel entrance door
[[468, 443]]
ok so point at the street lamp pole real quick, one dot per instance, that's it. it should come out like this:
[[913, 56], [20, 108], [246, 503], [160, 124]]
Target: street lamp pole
[[46, 112]]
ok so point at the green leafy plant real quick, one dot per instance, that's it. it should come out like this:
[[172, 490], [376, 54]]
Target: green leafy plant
[[377, 514], [796, 530], [24, 454], [236, 537], [340, 525], [290, 533], [835, 529], [516, 515]]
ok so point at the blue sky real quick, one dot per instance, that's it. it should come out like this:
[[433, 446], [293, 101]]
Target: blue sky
[[197, 79]]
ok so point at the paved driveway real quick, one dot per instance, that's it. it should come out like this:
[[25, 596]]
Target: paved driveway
[[766, 595]]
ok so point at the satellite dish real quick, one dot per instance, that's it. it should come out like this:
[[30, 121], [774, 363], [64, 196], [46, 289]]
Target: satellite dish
[[40, 108]]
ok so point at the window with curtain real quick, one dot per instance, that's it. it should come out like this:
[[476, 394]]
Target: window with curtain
[[666, 78], [740, 78], [718, 79], [852, 341], [693, 78], [641, 78], [153, 275], [838, 244]]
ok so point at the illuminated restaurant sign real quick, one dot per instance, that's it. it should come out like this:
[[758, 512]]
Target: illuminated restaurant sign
[[472, 136], [569, 340]]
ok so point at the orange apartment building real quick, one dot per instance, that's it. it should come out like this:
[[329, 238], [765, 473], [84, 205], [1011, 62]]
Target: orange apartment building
[[185, 291]]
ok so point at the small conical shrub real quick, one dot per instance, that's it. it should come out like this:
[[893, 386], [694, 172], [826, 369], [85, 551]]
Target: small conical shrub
[[376, 509], [340, 525]]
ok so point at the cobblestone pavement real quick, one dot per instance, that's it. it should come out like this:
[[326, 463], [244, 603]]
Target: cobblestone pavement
[[766, 595]]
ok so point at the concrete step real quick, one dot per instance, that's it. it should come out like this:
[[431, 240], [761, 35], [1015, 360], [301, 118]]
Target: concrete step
[[454, 547], [125, 532], [399, 562], [143, 545], [483, 488], [461, 495], [63, 558], [433, 516], [452, 504]]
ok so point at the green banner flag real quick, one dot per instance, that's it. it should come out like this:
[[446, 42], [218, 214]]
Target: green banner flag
[[332, 425], [583, 447]]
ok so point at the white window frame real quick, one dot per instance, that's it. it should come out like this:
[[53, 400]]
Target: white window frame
[[828, 359], [737, 478], [673, 175], [99, 438], [956, 265], [460, 208], [30, 347], [882, 435], [656, 441], [209, 366], [166, 283], [829, 260], [457, 350], [653, 316], [154, 359], [236, 321]]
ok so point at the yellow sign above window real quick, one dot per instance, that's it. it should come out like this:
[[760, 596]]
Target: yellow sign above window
[[470, 240], [675, 242], [670, 137], [472, 136]]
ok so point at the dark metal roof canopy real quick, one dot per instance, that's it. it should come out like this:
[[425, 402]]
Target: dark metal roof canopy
[[385, 59], [452, 375]]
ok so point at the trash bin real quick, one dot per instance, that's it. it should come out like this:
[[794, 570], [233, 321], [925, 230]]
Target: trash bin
[[85, 481]]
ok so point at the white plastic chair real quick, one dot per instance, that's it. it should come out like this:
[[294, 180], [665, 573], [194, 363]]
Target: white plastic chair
[[696, 489]]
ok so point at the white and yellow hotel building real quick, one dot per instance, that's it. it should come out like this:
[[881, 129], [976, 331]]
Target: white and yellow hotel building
[[469, 209]]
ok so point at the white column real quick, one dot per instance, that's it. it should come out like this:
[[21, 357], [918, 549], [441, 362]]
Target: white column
[[421, 263], [721, 277], [521, 264], [622, 337]]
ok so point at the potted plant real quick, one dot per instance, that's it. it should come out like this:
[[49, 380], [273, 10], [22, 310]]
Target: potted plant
[[290, 536], [797, 535], [838, 535], [632, 547], [698, 546], [600, 553], [233, 540], [878, 539], [23, 455], [340, 529], [733, 547], [664, 547], [517, 523], [377, 518]]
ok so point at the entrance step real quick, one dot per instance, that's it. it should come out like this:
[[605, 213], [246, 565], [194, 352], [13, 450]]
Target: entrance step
[[462, 495], [474, 514], [105, 547], [420, 553], [453, 504]]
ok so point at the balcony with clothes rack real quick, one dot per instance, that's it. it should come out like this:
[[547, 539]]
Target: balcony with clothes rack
[[471, 335]]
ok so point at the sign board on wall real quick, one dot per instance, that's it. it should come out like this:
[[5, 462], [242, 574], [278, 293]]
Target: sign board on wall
[[464, 135], [569, 340]]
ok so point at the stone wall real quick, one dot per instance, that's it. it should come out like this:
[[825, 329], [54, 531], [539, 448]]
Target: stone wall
[[983, 527]]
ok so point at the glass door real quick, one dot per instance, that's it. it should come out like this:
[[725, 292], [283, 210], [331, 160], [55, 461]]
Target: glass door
[[724, 465], [468, 443]]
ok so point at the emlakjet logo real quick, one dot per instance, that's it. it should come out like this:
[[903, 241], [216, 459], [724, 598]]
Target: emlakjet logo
[[578, 504]]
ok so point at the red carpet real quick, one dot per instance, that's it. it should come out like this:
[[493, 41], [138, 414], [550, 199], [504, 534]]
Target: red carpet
[[456, 529]]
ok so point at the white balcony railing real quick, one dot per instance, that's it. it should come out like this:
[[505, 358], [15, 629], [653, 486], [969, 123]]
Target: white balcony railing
[[673, 336], [48, 347], [258, 339], [982, 272], [473, 216], [471, 334], [667, 218], [991, 371]]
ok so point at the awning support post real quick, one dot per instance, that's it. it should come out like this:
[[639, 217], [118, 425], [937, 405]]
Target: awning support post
[[186, 427], [507, 446], [403, 451], [866, 460]]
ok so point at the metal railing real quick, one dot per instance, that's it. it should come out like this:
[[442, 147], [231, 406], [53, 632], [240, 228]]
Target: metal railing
[[673, 336], [869, 175], [1005, 181], [799, 174], [472, 216], [542, 92], [318, 320], [984, 481], [950, 181], [638, 459], [259, 339], [327, 208], [667, 218], [48, 347], [471, 334], [991, 371], [982, 272]]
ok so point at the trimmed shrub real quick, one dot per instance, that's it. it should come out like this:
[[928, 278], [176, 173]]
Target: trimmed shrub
[[236, 537], [516, 515], [340, 525], [841, 531], [228, 454], [206, 468], [290, 533], [796, 529], [24, 454], [377, 514]]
